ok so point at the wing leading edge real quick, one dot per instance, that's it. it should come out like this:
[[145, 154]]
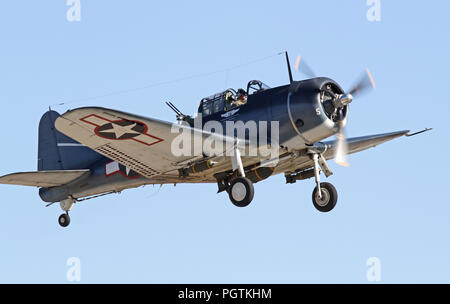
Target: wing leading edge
[[358, 144]]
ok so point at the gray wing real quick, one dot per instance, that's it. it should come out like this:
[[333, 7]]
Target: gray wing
[[355, 144], [44, 178], [140, 143], [358, 144]]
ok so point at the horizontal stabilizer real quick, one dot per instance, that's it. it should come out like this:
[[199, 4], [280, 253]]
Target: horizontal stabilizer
[[45, 179]]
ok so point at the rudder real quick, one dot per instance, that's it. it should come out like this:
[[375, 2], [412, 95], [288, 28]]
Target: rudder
[[58, 151]]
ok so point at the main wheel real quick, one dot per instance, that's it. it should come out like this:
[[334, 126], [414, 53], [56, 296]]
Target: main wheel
[[64, 220], [328, 200], [241, 192]]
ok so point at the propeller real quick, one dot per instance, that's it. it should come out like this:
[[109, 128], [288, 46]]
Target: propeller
[[302, 66], [364, 83], [340, 155], [340, 101], [362, 86]]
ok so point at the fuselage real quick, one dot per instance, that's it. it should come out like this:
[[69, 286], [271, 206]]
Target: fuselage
[[296, 110]]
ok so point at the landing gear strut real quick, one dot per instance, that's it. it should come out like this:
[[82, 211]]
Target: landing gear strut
[[241, 190]]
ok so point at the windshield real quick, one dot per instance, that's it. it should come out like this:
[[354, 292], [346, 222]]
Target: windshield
[[256, 86]]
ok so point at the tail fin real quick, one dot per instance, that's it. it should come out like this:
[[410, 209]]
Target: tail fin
[[59, 152]]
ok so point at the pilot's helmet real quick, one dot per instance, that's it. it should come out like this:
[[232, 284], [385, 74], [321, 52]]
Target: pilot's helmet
[[241, 92]]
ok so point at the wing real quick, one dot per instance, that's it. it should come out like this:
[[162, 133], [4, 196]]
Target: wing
[[355, 145], [140, 143], [44, 178], [358, 144]]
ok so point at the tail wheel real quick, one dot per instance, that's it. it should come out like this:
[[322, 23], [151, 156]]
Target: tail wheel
[[328, 201], [241, 192], [64, 220]]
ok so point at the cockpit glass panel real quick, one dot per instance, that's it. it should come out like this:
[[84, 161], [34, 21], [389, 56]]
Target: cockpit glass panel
[[229, 99], [207, 108], [219, 105], [256, 86]]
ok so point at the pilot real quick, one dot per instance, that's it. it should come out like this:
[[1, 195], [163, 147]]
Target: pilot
[[241, 98], [229, 100]]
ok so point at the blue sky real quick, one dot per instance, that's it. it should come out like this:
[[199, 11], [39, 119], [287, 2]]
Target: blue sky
[[392, 200]]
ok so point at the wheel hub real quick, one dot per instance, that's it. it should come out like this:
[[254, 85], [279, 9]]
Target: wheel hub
[[239, 191], [325, 199]]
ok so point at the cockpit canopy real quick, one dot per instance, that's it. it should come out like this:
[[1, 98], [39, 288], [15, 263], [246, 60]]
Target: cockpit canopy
[[256, 86], [230, 98]]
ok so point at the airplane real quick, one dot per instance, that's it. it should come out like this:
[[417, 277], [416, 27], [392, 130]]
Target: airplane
[[91, 151]]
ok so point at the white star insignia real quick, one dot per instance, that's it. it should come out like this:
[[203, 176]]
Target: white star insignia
[[119, 131]]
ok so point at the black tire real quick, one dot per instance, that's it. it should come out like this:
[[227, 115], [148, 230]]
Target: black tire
[[241, 192], [329, 198], [64, 220]]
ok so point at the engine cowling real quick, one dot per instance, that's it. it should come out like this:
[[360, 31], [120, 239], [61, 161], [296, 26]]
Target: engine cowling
[[313, 111]]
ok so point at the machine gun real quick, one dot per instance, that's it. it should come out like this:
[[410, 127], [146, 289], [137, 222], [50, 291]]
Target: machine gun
[[180, 115]]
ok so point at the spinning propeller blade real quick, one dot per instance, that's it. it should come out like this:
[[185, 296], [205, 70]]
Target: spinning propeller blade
[[365, 83], [340, 156], [302, 66]]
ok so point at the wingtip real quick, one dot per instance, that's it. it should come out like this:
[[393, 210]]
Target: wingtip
[[417, 133]]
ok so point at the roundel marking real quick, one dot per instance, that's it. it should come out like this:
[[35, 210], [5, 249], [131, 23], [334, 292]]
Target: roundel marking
[[121, 130]]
